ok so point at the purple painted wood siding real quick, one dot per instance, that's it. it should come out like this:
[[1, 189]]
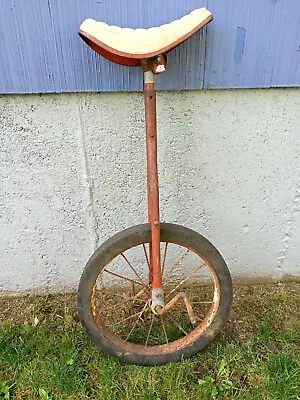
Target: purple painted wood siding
[[249, 44]]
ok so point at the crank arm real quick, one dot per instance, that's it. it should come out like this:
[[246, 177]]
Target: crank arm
[[189, 307]]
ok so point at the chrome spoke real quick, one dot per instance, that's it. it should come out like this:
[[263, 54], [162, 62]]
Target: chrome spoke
[[112, 307], [146, 256], [178, 325], [110, 293], [138, 318], [178, 262], [149, 332], [122, 277], [164, 328], [123, 296], [185, 279], [121, 304], [136, 274], [133, 315], [136, 296], [164, 259]]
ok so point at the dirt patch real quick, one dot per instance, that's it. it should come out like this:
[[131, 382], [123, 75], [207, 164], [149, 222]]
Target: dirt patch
[[252, 306], [23, 309]]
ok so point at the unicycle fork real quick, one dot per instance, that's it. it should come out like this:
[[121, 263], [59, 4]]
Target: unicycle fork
[[155, 273]]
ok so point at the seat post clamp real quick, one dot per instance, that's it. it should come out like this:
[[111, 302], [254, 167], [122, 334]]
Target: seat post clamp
[[156, 64]]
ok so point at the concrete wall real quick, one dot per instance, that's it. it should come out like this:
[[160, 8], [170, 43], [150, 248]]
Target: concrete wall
[[73, 173]]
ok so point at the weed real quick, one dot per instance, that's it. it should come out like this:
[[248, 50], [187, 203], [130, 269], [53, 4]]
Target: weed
[[4, 391], [43, 394]]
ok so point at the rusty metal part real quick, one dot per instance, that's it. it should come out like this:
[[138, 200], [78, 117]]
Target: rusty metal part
[[185, 279], [157, 65], [146, 63], [138, 318], [157, 300], [177, 263], [152, 178], [142, 349], [189, 307], [134, 271], [123, 277]]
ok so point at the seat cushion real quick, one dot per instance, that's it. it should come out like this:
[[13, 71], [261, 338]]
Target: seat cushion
[[137, 44]]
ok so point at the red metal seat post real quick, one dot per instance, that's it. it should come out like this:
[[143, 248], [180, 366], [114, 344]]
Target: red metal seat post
[[152, 186]]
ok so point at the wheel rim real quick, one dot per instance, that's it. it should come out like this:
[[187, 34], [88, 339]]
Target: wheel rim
[[120, 301]]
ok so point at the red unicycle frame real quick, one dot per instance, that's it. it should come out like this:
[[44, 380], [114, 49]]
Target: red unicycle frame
[[153, 309]]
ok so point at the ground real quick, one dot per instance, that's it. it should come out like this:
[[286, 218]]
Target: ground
[[44, 354]]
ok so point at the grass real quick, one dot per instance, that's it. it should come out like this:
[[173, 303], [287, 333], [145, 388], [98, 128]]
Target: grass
[[44, 354]]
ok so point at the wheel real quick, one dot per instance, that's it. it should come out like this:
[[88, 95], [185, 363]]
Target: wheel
[[114, 295]]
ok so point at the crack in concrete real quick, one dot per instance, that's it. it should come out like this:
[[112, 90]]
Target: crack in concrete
[[88, 182], [287, 235], [294, 209]]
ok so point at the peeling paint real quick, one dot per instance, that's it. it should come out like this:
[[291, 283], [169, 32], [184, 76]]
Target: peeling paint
[[239, 45]]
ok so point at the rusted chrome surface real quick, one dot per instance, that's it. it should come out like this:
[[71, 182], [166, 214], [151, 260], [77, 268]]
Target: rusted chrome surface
[[114, 309], [156, 65], [157, 300], [159, 64]]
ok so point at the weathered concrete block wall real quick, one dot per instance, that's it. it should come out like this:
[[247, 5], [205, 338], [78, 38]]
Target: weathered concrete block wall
[[73, 173]]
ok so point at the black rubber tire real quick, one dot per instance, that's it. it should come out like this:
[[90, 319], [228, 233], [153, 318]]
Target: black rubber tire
[[134, 236]]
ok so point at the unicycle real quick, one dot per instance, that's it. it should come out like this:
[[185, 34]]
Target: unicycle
[[155, 292]]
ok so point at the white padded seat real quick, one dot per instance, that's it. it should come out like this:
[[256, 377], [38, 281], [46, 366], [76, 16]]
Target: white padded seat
[[143, 43]]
